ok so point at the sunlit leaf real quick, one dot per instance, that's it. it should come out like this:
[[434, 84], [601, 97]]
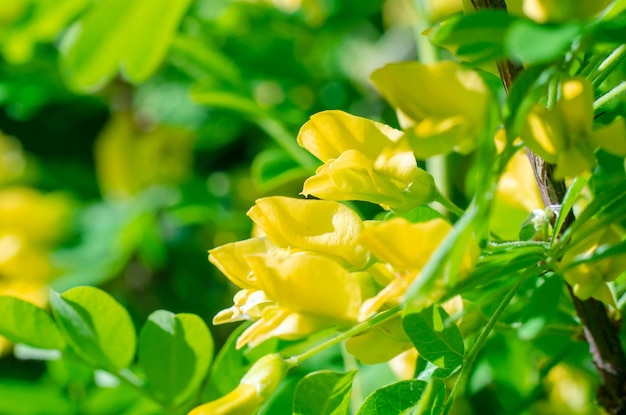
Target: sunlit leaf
[[96, 326], [534, 43], [323, 393], [175, 351], [130, 36], [23, 322], [393, 399], [436, 338]]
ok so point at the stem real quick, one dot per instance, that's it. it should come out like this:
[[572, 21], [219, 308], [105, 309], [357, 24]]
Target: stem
[[609, 64], [459, 385], [591, 66], [285, 139], [612, 93], [602, 336], [361, 327], [448, 204]]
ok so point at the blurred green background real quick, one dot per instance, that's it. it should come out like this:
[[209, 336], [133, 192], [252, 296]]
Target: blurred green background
[[135, 136]]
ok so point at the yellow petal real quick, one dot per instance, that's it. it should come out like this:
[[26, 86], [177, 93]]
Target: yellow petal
[[576, 107], [308, 284], [438, 91], [351, 177], [329, 133], [405, 245], [574, 161], [277, 322], [256, 386], [433, 136], [244, 400], [404, 364], [248, 305], [315, 225], [230, 260], [543, 133]]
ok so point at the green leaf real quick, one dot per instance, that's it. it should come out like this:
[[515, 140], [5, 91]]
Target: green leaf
[[541, 307], [612, 30], [432, 399], [23, 322], [527, 90], [570, 198], [132, 36], [535, 43], [194, 54], [323, 393], [435, 338], [427, 370], [606, 205], [393, 399], [96, 326], [175, 351], [476, 37]]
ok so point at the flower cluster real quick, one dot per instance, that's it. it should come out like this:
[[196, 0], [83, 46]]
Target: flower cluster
[[319, 265], [301, 276]]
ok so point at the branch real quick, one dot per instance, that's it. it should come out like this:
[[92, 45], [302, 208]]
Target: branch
[[600, 333]]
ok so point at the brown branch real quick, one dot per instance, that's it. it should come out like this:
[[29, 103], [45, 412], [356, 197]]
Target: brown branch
[[602, 335]]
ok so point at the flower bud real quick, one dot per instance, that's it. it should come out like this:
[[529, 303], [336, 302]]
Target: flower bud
[[256, 386]]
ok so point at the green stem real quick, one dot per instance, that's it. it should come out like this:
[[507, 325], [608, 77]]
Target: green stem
[[590, 66], [361, 327], [426, 51], [612, 93], [285, 139], [609, 64], [497, 246], [459, 385], [448, 204]]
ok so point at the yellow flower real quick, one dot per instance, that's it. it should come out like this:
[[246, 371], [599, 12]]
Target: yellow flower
[[563, 135], [257, 385], [294, 280], [298, 294], [442, 106], [363, 161], [405, 247], [590, 279], [313, 225]]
